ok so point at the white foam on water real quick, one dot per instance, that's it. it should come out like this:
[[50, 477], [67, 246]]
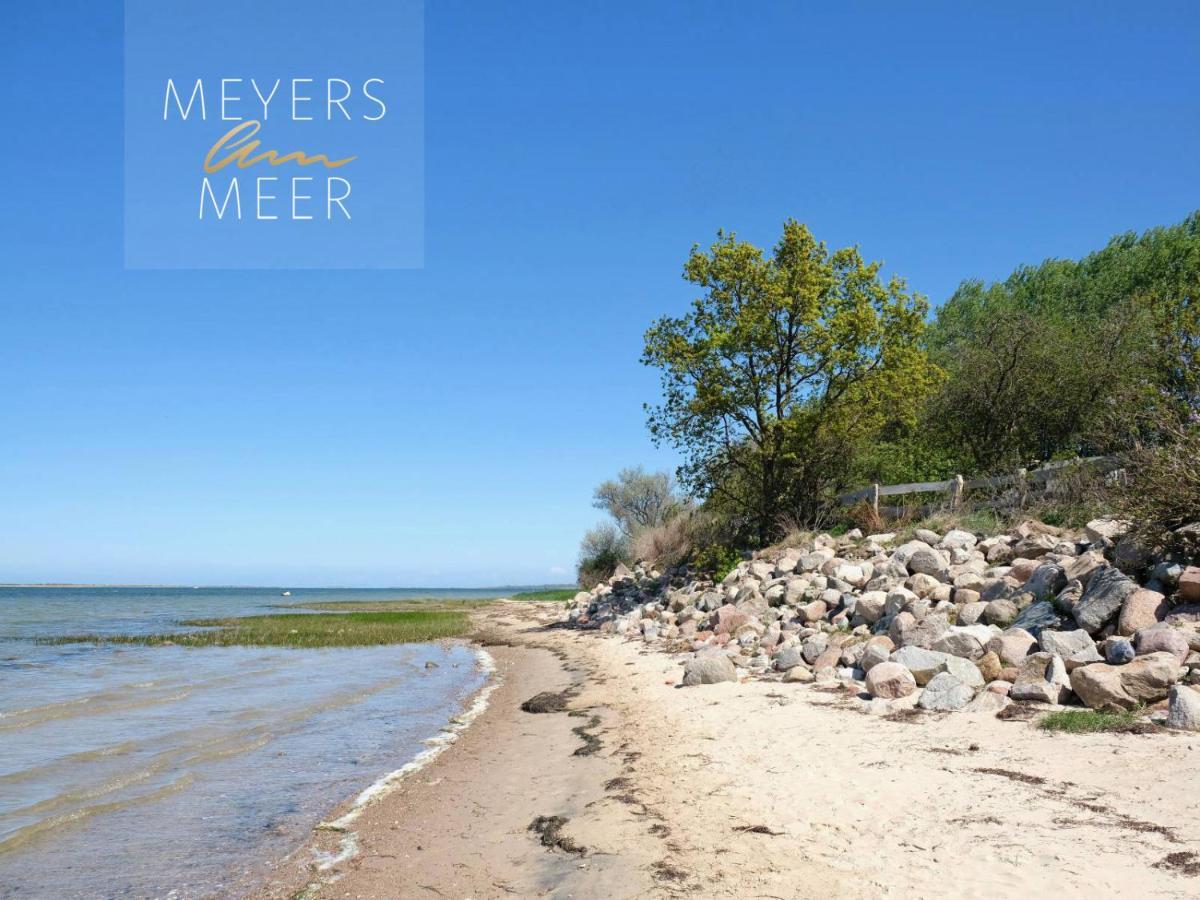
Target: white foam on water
[[348, 847]]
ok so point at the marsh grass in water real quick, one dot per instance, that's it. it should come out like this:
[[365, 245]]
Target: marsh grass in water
[[348, 629]]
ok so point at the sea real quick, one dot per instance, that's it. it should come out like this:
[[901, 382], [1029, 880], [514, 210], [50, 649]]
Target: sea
[[165, 771]]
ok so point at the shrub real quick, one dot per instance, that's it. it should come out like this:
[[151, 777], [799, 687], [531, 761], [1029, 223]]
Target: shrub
[[1163, 493], [668, 544], [602, 549]]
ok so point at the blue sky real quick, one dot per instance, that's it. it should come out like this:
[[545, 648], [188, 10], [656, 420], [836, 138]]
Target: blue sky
[[445, 426]]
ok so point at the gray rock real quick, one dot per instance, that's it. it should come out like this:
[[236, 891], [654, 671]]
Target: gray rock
[[1000, 612], [969, 642], [709, 669], [1075, 648], [1042, 677], [925, 536], [1118, 651], [926, 631], [814, 646], [1103, 599], [788, 658], [925, 664], [945, 692], [1183, 708], [873, 655], [1037, 617], [970, 613], [1046, 581]]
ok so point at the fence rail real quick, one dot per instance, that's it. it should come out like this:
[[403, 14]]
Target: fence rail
[[957, 486]]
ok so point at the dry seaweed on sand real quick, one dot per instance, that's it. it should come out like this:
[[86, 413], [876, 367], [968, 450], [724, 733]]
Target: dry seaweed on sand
[[547, 702], [549, 831]]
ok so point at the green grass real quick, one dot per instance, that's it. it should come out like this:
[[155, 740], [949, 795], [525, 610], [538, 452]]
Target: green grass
[[414, 605], [349, 629], [1087, 721], [553, 595]]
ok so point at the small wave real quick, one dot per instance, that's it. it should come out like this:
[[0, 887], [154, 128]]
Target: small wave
[[54, 824], [436, 746]]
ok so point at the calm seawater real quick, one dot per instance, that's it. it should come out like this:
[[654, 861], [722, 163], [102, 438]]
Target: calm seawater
[[130, 771]]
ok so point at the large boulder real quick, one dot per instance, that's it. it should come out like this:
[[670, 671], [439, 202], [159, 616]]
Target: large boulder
[[1189, 585], [919, 558], [890, 680], [1075, 648], [1001, 611], [1106, 593], [969, 641], [729, 619], [1038, 616], [925, 664], [1163, 640], [1013, 646], [710, 668], [788, 658], [926, 631], [1105, 531], [870, 606], [945, 692], [1145, 680], [1046, 581], [956, 539], [1142, 609], [1082, 567], [1041, 677], [1183, 708]]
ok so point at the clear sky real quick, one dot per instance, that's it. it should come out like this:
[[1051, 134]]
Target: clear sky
[[445, 426]]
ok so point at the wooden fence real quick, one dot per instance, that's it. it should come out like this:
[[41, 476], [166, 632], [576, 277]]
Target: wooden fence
[[958, 486]]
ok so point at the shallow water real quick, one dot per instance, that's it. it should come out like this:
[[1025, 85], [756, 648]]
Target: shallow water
[[130, 771]]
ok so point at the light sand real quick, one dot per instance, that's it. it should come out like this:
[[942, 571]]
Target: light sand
[[855, 805]]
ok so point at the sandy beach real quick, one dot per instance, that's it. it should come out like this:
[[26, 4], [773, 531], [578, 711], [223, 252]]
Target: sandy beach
[[758, 789]]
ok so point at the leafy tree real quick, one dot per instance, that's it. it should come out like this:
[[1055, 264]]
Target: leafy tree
[[784, 365], [637, 499]]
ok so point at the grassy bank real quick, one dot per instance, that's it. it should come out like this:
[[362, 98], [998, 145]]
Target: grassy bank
[[349, 629], [556, 595]]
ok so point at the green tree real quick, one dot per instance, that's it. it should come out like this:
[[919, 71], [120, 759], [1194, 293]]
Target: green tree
[[783, 367], [637, 499]]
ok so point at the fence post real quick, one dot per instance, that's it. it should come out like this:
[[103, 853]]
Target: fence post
[[875, 498], [956, 492]]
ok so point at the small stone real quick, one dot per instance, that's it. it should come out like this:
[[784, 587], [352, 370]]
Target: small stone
[[1118, 651]]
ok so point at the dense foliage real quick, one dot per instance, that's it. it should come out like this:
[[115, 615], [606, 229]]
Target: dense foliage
[[799, 373], [784, 366]]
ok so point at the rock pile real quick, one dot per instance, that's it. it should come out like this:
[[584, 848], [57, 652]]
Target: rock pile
[[942, 621]]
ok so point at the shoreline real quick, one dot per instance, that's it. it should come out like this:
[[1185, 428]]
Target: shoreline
[[755, 789]]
